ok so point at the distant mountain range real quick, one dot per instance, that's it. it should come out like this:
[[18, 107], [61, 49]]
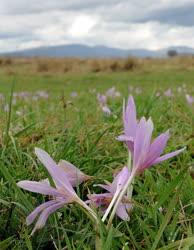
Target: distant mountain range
[[84, 51]]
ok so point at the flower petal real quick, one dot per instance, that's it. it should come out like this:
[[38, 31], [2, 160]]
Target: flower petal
[[32, 216], [167, 156], [129, 117], [142, 142], [156, 149], [100, 199], [74, 175], [120, 180], [45, 214], [56, 172], [121, 212], [38, 187]]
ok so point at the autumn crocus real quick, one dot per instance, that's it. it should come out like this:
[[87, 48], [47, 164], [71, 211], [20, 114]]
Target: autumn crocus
[[143, 151], [189, 98], [168, 93], [106, 110], [113, 189], [146, 151], [61, 195], [146, 154]]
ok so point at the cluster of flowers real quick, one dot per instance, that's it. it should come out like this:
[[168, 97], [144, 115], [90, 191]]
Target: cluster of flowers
[[189, 98], [135, 90], [143, 153], [24, 96], [103, 99]]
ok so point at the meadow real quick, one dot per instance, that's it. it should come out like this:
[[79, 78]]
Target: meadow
[[45, 104]]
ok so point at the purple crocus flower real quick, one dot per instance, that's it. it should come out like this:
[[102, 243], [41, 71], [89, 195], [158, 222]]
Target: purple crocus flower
[[61, 195], [168, 93], [112, 92], [74, 94], [42, 94], [144, 128], [130, 123], [102, 99], [104, 200], [147, 153], [106, 110], [189, 98]]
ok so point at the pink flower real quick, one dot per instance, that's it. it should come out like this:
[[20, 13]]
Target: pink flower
[[147, 153], [168, 93], [106, 110], [73, 94], [61, 195], [103, 200], [102, 99], [136, 132], [112, 92], [189, 98]]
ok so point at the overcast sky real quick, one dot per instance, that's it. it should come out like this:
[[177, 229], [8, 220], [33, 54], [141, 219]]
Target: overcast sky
[[123, 24]]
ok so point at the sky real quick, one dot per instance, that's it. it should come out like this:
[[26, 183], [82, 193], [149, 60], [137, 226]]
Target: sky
[[126, 24]]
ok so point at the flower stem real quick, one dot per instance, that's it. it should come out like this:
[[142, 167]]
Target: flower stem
[[123, 191], [111, 205], [130, 187]]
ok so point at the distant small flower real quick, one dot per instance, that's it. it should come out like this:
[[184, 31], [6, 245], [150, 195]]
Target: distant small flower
[[73, 94], [168, 93], [138, 90], [106, 110], [61, 195], [42, 94], [189, 98], [112, 92], [102, 99], [103, 200]]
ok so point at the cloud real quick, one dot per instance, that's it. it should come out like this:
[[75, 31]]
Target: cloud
[[124, 24]]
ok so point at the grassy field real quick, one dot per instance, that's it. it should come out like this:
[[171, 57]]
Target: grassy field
[[73, 127]]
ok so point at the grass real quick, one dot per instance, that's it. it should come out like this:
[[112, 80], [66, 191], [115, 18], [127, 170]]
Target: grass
[[75, 129]]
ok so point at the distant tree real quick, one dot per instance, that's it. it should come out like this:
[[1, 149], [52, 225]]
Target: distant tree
[[172, 53]]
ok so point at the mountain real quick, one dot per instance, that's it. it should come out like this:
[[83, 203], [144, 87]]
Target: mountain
[[84, 51]]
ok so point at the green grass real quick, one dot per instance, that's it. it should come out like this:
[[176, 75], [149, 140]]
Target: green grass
[[75, 129]]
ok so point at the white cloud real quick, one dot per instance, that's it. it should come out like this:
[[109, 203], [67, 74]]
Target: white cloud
[[123, 24], [82, 25]]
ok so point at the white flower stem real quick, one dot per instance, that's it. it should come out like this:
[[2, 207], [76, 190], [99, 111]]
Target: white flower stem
[[130, 187], [123, 191], [111, 205]]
